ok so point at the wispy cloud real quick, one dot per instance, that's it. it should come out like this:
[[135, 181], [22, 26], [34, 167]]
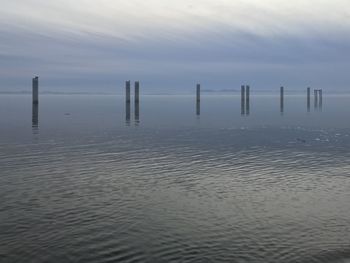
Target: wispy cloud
[[181, 41]]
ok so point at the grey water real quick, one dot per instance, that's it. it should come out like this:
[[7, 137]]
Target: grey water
[[88, 179]]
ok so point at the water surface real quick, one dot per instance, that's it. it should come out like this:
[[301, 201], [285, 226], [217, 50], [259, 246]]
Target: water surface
[[84, 181]]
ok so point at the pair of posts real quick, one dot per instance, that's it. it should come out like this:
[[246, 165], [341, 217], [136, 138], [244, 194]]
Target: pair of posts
[[136, 100], [245, 100]]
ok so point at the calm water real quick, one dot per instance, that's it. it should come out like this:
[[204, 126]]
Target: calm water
[[81, 182]]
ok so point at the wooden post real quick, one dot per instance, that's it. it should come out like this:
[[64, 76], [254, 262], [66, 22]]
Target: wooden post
[[198, 99], [247, 104], [315, 98], [308, 98], [137, 92], [282, 99], [198, 93], [137, 102], [127, 102], [35, 90], [127, 91], [243, 100]]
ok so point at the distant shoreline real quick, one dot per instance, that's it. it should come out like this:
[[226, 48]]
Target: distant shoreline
[[207, 91]]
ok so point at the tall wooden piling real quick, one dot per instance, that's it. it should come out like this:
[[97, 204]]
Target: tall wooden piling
[[315, 98], [282, 99], [243, 100], [127, 102], [35, 90], [137, 92], [198, 93], [127, 91], [321, 98], [308, 100], [198, 99], [247, 103], [137, 103]]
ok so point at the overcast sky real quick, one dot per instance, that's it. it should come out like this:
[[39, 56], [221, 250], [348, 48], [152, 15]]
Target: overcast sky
[[169, 45]]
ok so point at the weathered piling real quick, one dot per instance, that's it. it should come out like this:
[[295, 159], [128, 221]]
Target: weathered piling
[[315, 98], [247, 103], [308, 100], [35, 90], [321, 98], [282, 99], [137, 103], [243, 100], [198, 93], [137, 92], [127, 91], [198, 99], [127, 102]]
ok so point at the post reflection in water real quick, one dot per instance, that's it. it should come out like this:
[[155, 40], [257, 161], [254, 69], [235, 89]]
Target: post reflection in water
[[137, 112], [127, 112], [245, 105], [318, 99], [35, 117], [198, 108]]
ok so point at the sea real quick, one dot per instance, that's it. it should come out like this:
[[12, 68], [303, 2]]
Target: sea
[[92, 178]]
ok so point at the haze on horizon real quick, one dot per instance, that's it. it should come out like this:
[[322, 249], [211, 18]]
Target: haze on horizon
[[87, 45]]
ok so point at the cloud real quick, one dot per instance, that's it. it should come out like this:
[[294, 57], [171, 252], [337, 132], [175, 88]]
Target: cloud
[[179, 41], [130, 19]]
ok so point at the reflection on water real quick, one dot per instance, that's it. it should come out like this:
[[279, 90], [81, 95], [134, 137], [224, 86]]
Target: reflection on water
[[318, 99], [35, 118], [127, 112], [137, 112], [174, 189], [198, 108]]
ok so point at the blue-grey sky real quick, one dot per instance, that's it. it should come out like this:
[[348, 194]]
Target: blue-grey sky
[[89, 45]]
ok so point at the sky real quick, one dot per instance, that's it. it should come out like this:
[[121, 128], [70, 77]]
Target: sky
[[170, 45]]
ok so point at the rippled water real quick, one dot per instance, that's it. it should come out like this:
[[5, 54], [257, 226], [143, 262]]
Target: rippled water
[[81, 182]]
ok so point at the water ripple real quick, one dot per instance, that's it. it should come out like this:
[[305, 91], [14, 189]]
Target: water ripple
[[164, 198]]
